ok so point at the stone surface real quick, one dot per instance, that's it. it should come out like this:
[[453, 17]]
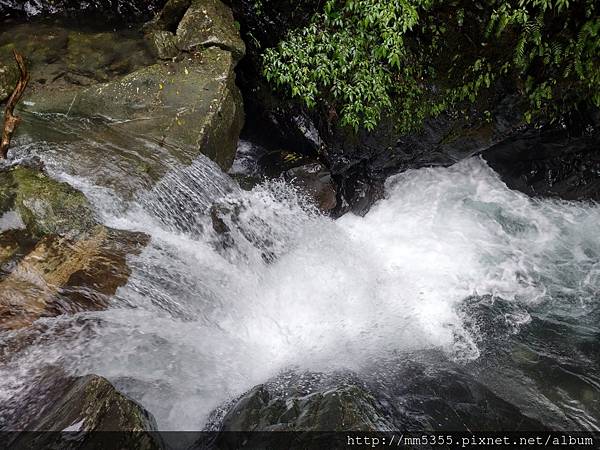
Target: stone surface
[[299, 403], [55, 258], [82, 407], [191, 106], [338, 409], [316, 181], [428, 394], [175, 109], [191, 25], [9, 73], [44, 205], [550, 163], [59, 58], [164, 44], [210, 23]]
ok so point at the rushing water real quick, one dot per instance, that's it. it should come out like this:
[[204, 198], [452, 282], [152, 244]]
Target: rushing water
[[451, 261]]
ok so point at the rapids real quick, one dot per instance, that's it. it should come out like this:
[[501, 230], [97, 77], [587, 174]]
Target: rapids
[[450, 260]]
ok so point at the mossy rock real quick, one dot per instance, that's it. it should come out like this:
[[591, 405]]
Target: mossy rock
[[191, 25], [102, 56], [46, 206], [56, 276], [89, 412], [300, 403], [168, 17], [341, 408], [189, 106], [55, 258], [210, 23], [176, 108]]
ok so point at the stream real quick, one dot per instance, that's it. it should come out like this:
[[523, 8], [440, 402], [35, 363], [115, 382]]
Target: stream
[[451, 262]]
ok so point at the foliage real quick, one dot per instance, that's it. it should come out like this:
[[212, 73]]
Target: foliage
[[365, 58]]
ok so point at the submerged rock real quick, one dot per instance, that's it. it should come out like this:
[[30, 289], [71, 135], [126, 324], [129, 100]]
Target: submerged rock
[[55, 258], [80, 408], [317, 182]]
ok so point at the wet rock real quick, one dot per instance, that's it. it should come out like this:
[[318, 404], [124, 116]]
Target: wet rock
[[190, 25], [210, 23], [235, 225], [169, 16], [55, 257], [164, 44], [44, 205], [64, 276], [306, 402], [190, 106], [82, 407], [93, 55], [9, 74], [123, 10], [59, 58], [316, 181], [550, 163], [338, 409], [429, 392], [176, 109]]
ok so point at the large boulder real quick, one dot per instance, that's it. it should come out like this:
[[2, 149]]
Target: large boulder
[[301, 403], [209, 23], [173, 109], [188, 106], [44, 205], [55, 257], [81, 408], [341, 408], [427, 394], [550, 163]]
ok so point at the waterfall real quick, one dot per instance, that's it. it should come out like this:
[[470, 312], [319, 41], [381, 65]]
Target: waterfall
[[209, 312]]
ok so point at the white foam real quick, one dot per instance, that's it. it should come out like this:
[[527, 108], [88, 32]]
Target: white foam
[[200, 325]]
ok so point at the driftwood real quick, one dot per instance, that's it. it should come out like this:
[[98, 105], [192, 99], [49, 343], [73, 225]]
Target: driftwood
[[10, 120]]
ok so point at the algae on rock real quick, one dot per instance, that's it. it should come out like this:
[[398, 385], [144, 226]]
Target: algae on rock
[[55, 257]]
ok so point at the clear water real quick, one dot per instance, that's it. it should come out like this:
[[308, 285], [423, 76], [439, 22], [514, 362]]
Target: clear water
[[451, 260]]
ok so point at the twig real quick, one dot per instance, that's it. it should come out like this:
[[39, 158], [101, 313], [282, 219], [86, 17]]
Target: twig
[[10, 120]]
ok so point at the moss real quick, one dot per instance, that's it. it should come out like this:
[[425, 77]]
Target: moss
[[9, 73], [47, 206], [210, 23], [346, 407]]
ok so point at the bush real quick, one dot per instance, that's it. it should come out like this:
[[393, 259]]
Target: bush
[[416, 58]]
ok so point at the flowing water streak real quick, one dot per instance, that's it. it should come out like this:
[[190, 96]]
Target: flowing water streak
[[200, 322]]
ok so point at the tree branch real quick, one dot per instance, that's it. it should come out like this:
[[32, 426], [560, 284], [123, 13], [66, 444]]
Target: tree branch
[[10, 120]]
